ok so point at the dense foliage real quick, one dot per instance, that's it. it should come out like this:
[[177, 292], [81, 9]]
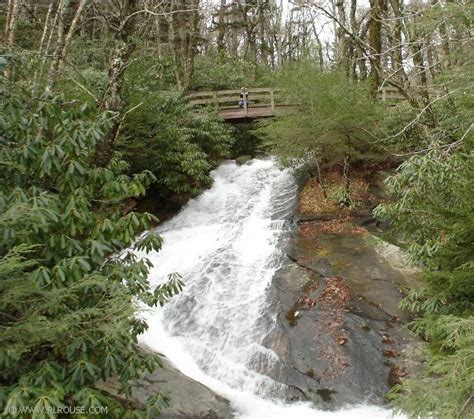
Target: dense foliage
[[70, 283], [433, 213], [332, 116], [329, 125], [178, 146]]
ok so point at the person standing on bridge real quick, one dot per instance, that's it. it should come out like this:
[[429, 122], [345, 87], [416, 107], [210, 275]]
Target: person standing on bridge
[[244, 97]]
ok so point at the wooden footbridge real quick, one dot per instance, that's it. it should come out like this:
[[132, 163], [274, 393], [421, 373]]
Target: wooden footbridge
[[259, 102]]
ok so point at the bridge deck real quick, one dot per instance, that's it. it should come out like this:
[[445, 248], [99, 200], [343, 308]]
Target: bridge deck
[[260, 112]]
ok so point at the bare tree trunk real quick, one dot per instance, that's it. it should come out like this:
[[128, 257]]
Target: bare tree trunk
[[172, 42], [397, 42], [71, 31], [262, 36], [347, 181], [375, 42], [320, 52], [352, 45], [13, 10], [430, 58], [417, 51], [45, 51], [251, 42], [342, 50], [278, 50], [252, 51], [443, 32], [190, 45], [361, 54], [56, 58], [45, 29], [416, 46], [234, 41], [10, 30], [41, 52], [221, 29], [158, 37], [8, 18], [112, 99], [183, 32]]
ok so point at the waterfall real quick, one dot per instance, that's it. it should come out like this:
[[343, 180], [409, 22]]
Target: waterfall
[[227, 244]]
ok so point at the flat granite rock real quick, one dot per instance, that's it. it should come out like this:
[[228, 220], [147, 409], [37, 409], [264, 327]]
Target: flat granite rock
[[339, 333]]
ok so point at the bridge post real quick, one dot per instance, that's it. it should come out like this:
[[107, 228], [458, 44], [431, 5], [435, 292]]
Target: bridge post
[[245, 98], [216, 102], [272, 100]]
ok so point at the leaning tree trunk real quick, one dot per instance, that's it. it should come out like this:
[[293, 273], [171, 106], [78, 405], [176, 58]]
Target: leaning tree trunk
[[71, 31], [63, 41], [45, 29]]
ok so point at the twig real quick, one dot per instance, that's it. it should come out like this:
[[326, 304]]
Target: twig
[[123, 119], [85, 89]]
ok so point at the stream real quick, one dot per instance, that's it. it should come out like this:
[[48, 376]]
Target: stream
[[228, 243]]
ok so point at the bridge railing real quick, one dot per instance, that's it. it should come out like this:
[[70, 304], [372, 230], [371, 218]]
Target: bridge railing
[[227, 100], [389, 93]]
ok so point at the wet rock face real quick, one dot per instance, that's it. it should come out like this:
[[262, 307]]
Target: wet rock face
[[358, 260], [189, 398], [243, 159], [338, 331]]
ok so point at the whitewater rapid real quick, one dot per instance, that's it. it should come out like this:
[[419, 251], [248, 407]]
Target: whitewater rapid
[[227, 244]]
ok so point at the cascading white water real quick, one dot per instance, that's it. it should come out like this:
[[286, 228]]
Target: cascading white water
[[226, 244]]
